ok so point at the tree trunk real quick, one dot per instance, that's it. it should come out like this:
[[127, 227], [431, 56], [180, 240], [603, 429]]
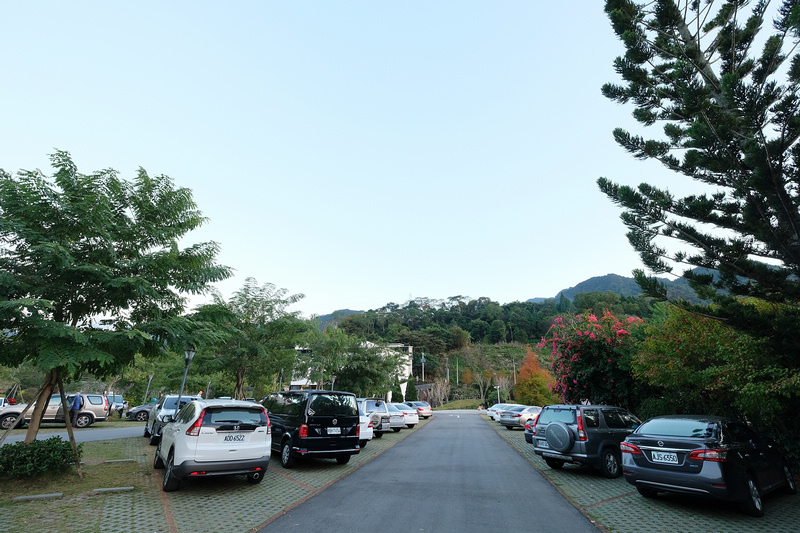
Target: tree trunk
[[238, 390], [50, 382], [68, 422]]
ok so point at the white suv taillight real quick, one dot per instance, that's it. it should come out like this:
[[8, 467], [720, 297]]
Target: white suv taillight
[[194, 429]]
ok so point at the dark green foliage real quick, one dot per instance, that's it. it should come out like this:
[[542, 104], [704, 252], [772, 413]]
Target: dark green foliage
[[397, 393], [40, 457], [411, 390]]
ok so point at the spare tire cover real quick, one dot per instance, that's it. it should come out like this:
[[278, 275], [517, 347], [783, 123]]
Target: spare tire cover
[[376, 419], [559, 436]]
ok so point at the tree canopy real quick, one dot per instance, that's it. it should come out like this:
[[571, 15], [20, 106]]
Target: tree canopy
[[727, 97], [92, 270]]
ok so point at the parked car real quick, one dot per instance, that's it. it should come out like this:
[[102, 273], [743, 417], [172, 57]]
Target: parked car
[[707, 456], [515, 417], [364, 428], [583, 434], [495, 410], [115, 402], [410, 414], [140, 412], [397, 419], [213, 438], [94, 409], [423, 408], [313, 423], [376, 409], [168, 405], [529, 430]]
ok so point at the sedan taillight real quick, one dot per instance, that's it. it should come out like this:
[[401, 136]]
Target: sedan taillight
[[626, 447], [717, 456]]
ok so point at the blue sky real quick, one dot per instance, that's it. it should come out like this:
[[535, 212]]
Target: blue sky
[[359, 153]]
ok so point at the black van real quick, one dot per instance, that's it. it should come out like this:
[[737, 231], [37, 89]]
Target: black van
[[313, 423]]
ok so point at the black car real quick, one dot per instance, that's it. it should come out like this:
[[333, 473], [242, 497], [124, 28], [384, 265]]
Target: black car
[[583, 434], [313, 423], [708, 456]]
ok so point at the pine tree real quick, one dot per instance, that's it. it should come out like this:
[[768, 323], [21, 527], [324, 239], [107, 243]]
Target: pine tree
[[727, 97]]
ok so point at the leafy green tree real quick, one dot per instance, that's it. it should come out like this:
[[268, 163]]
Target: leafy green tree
[[92, 271], [727, 97], [411, 390], [258, 334], [535, 384]]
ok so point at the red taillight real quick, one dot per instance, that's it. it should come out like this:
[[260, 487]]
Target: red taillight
[[269, 426], [515, 416], [303, 431], [358, 429], [581, 431], [625, 447], [716, 456], [194, 430]]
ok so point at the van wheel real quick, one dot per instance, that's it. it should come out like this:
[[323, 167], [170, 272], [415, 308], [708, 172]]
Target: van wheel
[[378, 434], [287, 457], [362, 443], [753, 505], [610, 464], [343, 459], [255, 477]]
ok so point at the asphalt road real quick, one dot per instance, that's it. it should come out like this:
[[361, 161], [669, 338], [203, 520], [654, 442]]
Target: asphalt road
[[454, 475]]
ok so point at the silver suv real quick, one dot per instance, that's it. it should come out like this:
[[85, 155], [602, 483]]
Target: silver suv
[[378, 413], [583, 434], [94, 409], [166, 406]]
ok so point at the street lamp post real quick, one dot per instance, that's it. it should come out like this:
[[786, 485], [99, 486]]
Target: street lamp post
[[422, 360], [187, 358], [498, 393]]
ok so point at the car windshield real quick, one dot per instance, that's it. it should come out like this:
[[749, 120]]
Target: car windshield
[[679, 427], [170, 403]]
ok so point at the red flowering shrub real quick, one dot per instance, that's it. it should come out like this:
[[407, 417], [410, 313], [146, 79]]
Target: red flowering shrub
[[590, 358]]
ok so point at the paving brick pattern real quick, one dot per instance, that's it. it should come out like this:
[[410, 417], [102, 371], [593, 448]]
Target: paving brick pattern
[[227, 504], [617, 507]]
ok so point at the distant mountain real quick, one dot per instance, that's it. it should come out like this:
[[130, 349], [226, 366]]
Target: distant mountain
[[335, 316], [624, 286]]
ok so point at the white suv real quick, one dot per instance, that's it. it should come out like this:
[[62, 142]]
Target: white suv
[[214, 438]]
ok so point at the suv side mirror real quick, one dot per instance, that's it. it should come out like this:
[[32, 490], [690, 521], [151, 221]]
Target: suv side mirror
[[167, 419]]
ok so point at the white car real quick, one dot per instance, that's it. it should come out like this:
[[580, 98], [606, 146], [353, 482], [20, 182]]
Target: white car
[[397, 419], [365, 428], [411, 415], [214, 438], [155, 418]]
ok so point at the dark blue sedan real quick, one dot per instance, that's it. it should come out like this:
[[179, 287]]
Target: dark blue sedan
[[706, 456]]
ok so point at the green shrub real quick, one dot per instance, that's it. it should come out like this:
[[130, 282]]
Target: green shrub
[[20, 460]]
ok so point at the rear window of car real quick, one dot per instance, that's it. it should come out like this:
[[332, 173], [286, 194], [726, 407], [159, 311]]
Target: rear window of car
[[678, 427], [565, 415], [333, 405], [221, 417], [170, 403]]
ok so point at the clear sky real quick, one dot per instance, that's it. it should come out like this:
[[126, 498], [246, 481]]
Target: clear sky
[[359, 153]]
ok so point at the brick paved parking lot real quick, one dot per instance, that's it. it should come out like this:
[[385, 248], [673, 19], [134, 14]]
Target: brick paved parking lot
[[615, 506], [149, 510]]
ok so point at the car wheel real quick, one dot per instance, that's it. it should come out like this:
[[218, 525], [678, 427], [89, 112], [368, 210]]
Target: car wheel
[[647, 493], [255, 477], [83, 421], [610, 464], [158, 462], [362, 443], [753, 505], [170, 483], [410, 426], [396, 430], [287, 458], [377, 434], [555, 464], [559, 436], [154, 439], [343, 459], [509, 427], [9, 421], [789, 487], [146, 432], [141, 416]]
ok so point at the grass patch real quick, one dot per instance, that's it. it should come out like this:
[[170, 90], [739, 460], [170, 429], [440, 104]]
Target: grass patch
[[460, 404]]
